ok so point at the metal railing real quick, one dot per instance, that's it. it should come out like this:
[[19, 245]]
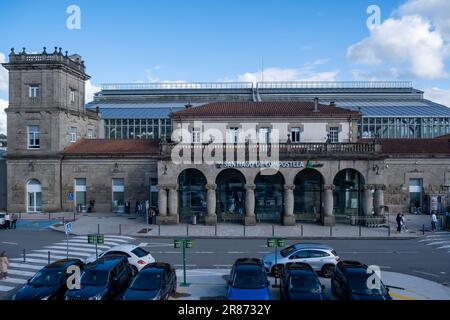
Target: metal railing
[[45, 58], [336, 84], [176, 85]]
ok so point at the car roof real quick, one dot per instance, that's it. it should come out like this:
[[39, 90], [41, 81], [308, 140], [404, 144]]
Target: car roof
[[312, 246], [248, 261], [123, 247], [354, 267], [298, 266], [62, 263], [107, 262], [157, 265]]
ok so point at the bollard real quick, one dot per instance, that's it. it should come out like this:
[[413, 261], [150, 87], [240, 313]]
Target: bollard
[[120, 229], [63, 221], [215, 229], [301, 227], [423, 229], [49, 216], [389, 230], [98, 228], [49, 257], [24, 256], [331, 231], [273, 230], [187, 229], [159, 229], [360, 231], [74, 216], [244, 230]]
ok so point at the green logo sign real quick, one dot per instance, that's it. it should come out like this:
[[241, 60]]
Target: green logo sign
[[189, 244], [96, 238], [271, 243], [178, 244]]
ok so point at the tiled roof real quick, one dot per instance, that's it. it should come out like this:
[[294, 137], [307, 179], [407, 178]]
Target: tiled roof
[[416, 146], [272, 108], [113, 147]]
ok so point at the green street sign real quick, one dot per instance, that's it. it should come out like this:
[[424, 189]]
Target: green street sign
[[271, 243], [96, 238], [100, 239], [189, 244], [281, 243], [178, 244]]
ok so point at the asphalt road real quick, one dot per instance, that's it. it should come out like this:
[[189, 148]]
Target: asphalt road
[[405, 256]]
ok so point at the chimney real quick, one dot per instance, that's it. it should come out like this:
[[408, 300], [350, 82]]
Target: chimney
[[189, 105], [316, 105], [332, 104]]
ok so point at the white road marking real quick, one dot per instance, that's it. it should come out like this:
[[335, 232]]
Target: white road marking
[[236, 252], [444, 247], [85, 245], [53, 256], [70, 248], [221, 265], [143, 244], [14, 280], [426, 273], [26, 266], [12, 243], [21, 273], [85, 242], [71, 252], [31, 260], [203, 252], [169, 252], [5, 288], [263, 252], [156, 244], [437, 242], [188, 265]]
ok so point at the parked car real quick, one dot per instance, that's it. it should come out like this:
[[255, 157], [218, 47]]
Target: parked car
[[137, 256], [322, 258], [49, 283], [300, 282], [156, 281], [349, 281], [248, 281], [105, 279], [2, 221]]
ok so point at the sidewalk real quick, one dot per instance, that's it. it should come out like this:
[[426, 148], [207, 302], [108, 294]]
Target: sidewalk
[[211, 284], [132, 225]]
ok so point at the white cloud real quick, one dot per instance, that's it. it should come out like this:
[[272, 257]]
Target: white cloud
[[90, 90], [3, 74], [438, 95], [3, 106], [438, 11], [409, 42], [288, 74]]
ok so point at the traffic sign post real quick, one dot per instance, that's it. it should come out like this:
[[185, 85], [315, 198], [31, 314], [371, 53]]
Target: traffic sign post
[[183, 244], [67, 229], [276, 243], [96, 239]]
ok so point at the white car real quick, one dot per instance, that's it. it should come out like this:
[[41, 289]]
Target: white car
[[137, 256], [2, 220]]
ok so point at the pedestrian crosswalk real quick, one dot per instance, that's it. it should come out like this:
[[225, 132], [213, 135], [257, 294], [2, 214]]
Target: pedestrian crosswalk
[[19, 271], [438, 240]]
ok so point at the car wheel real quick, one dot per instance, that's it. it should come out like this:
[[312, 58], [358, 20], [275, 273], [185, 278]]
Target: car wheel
[[327, 270], [134, 270], [278, 268]]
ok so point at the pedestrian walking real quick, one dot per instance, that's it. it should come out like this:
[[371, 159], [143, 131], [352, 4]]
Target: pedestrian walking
[[14, 221], [403, 221], [7, 221], [3, 265], [433, 222], [399, 222]]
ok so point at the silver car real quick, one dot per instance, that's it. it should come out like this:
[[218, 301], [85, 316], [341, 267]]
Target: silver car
[[322, 258]]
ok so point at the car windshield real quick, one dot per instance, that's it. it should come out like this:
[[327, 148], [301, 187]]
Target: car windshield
[[305, 284], [249, 278], [47, 278], [360, 285], [147, 281], [139, 252], [94, 278], [287, 251]]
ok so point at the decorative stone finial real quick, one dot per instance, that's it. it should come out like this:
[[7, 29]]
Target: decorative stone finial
[[44, 52], [56, 50], [12, 51], [23, 50], [60, 52], [67, 54]]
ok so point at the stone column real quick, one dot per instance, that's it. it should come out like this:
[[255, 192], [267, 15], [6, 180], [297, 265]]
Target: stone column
[[328, 218], [173, 200], [166, 205], [162, 200], [211, 217], [368, 200], [379, 199], [250, 218], [289, 218]]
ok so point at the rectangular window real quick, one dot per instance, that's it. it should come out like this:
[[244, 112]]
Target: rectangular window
[[33, 137], [415, 194], [264, 135], [72, 96], [33, 91], [196, 135], [73, 134], [234, 135], [295, 135], [118, 195], [90, 133], [80, 194], [334, 134]]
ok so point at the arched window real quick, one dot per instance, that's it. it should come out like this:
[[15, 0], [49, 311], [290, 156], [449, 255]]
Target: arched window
[[308, 192], [192, 195], [34, 196], [348, 193], [269, 197], [230, 193]]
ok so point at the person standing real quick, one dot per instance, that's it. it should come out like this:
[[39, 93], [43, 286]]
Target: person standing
[[7, 221], [14, 221], [399, 222], [417, 205], [433, 222], [404, 228], [4, 263]]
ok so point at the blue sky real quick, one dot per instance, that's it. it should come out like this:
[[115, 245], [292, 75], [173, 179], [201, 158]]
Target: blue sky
[[197, 40]]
